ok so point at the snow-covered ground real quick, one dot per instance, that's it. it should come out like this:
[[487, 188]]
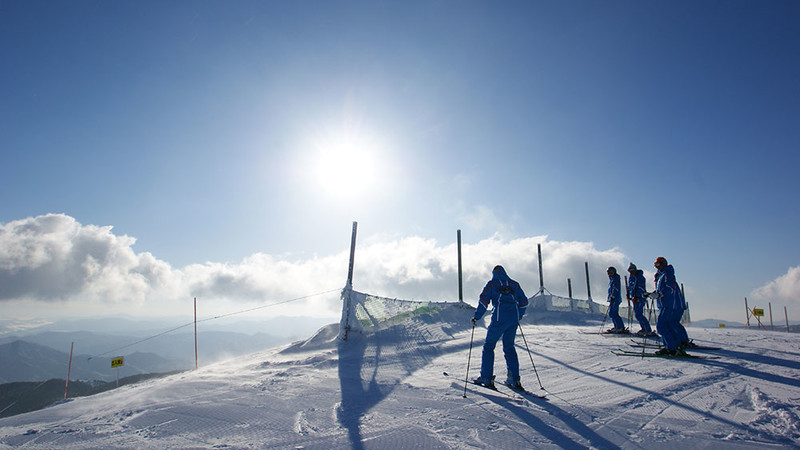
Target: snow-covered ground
[[388, 389]]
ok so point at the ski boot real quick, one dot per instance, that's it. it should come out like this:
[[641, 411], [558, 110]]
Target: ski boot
[[485, 383], [688, 344], [514, 383]]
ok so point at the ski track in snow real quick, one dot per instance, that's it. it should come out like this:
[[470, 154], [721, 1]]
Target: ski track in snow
[[386, 389]]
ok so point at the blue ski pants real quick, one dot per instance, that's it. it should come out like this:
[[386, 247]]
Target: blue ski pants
[[638, 311], [677, 328], [613, 313], [666, 328], [506, 330]]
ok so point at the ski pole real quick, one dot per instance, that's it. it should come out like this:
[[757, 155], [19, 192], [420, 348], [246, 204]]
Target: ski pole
[[529, 355], [644, 336], [644, 342], [469, 358], [629, 313], [603, 325]]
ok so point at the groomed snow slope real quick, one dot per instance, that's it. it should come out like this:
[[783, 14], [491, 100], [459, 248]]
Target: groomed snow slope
[[388, 389]]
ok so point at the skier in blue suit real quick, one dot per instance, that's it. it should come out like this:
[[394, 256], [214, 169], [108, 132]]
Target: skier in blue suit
[[678, 330], [671, 304], [509, 303], [636, 292], [614, 299]]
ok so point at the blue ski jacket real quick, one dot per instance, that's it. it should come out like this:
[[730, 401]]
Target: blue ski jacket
[[506, 297], [614, 289], [670, 295], [637, 285]]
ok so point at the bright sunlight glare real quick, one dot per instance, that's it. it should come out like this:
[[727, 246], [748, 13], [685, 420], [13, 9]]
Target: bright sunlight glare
[[347, 165]]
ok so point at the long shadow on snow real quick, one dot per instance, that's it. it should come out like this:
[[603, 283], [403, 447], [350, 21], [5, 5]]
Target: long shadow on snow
[[760, 359], [555, 435], [755, 358], [745, 346], [362, 381], [658, 396], [738, 368]]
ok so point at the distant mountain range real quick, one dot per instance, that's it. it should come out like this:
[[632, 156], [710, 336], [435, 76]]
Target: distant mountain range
[[145, 346], [26, 361], [714, 323], [288, 327]]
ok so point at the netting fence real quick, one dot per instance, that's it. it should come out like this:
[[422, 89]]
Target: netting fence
[[366, 311], [361, 311]]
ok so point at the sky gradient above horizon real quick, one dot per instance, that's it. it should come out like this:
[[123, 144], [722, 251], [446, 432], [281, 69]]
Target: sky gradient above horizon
[[226, 139]]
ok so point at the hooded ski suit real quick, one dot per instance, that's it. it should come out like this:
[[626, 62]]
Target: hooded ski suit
[[636, 289], [614, 299], [671, 304], [510, 303]]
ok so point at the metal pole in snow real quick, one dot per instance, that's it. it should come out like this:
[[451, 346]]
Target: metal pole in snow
[[770, 317], [541, 278], [747, 311], [69, 368], [352, 255], [460, 279], [346, 294], [569, 287], [786, 315], [588, 286]]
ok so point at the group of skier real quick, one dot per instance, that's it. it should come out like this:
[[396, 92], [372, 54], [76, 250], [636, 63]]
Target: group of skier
[[510, 303], [636, 293], [670, 300]]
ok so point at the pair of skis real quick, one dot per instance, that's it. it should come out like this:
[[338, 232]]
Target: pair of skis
[[626, 334], [644, 346], [655, 346], [606, 333], [517, 395], [622, 352]]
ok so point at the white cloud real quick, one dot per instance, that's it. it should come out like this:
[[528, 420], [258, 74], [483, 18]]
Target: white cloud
[[53, 258], [784, 289], [422, 269]]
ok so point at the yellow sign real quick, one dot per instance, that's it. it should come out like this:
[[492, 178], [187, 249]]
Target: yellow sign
[[758, 312], [117, 362], [722, 325]]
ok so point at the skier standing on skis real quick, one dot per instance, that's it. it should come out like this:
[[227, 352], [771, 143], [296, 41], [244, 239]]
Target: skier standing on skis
[[614, 299], [509, 303], [636, 291], [671, 305], [680, 307]]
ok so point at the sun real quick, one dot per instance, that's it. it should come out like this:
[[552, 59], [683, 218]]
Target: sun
[[347, 164]]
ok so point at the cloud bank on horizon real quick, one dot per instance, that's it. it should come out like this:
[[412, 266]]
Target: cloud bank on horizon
[[785, 288], [53, 259]]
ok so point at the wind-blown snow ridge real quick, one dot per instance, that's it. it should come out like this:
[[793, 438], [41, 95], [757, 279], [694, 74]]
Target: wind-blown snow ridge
[[387, 388]]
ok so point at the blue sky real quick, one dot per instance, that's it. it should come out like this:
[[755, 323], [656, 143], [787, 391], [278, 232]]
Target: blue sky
[[210, 132]]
